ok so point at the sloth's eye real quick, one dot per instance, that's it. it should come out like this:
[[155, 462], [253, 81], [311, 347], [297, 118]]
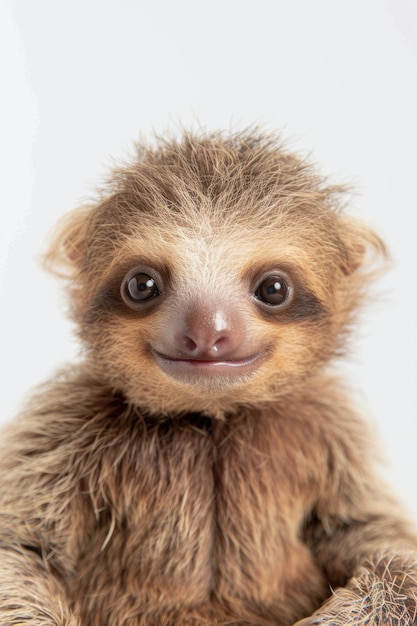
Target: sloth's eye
[[141, 287], [273, 291]]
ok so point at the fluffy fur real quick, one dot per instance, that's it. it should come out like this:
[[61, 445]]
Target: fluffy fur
[[229, 481]]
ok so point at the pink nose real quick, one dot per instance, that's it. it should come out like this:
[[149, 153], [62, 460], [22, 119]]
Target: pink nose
[[208, 333]]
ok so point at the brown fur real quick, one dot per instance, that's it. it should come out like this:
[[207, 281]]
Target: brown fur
[[130, 496]]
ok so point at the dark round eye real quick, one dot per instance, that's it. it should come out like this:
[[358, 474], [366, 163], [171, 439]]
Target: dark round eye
[[273, 290], [141, 288]]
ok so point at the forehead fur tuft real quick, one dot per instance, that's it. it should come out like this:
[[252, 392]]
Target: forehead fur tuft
[[224, 174]]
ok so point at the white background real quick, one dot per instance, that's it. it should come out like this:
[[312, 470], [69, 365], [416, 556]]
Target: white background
[[81, 80]]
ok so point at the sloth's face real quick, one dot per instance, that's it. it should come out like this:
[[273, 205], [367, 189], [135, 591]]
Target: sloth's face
[[213, 318]]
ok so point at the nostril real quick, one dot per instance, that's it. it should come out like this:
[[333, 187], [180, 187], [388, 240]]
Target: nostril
[[190, 344], [220, 344]]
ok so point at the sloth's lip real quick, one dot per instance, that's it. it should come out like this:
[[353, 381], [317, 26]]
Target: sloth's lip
[[187, 366]]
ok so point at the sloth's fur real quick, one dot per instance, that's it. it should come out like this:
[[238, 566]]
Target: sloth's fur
[[132, 497]]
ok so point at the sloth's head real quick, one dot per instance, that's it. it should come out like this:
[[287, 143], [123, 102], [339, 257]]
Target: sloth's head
[[213, 271]]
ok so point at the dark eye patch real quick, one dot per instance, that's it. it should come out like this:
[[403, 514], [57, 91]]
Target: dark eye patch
[[141, 284], [305, 305], [282, 295]]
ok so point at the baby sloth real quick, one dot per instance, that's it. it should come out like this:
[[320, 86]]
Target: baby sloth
[[203, 464]]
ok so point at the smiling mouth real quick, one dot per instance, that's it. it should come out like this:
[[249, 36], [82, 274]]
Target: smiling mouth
[[183, 368]]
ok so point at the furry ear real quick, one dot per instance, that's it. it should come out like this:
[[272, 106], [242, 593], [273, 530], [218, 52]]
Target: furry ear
[[365, 250], [66, 250]]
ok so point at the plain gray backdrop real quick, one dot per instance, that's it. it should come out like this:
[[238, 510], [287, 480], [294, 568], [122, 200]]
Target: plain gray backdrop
[[81, 81]]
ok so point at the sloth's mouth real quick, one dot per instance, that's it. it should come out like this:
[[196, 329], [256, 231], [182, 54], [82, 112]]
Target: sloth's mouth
[[183, 368]]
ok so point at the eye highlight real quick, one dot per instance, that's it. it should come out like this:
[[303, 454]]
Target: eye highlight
[[140, 288], [273, 290]]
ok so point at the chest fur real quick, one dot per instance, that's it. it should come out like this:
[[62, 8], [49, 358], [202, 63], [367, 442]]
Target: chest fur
[[194, 511]]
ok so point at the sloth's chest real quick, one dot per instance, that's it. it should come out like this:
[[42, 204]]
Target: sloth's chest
[[211, 505], [193, 520]]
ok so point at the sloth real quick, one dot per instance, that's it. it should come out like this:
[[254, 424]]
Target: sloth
[[203, 463]]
